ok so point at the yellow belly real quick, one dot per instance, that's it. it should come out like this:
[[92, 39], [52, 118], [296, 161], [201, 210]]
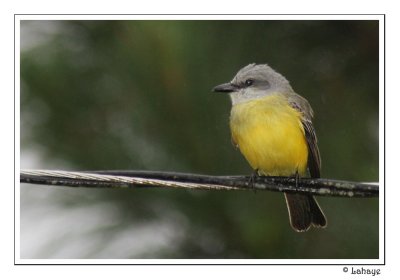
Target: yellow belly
[[270, 135]]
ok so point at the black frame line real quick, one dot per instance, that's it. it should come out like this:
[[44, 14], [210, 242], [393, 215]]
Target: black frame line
[[225, 264]]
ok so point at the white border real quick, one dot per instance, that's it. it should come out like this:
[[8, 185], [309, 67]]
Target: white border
[[382, 183], [18, 18], [197, 17], [17, 138]]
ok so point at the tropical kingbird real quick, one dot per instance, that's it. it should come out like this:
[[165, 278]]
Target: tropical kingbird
[[272, 127]]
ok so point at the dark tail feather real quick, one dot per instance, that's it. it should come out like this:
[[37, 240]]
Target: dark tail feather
[[318, 217], [304, 211]]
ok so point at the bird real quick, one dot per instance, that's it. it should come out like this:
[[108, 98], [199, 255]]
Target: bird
[[272, 127]]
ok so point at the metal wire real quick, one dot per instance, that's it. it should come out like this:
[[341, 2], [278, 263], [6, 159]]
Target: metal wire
[[135, 179]]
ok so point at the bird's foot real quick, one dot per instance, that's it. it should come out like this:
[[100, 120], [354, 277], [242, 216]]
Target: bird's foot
[[296, 178], [252, 179]]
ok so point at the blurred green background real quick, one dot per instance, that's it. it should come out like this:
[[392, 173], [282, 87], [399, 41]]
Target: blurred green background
[[103, 95]]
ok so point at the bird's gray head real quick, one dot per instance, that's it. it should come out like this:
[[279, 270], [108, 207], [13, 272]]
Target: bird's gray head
[[254, 81]]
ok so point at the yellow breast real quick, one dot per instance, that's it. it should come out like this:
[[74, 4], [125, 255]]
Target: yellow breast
[[270, 135]]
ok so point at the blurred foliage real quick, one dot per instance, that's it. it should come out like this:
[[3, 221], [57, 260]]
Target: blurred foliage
[[102, 95]]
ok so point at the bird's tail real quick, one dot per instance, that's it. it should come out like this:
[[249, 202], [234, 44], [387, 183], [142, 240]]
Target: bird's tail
[[304, 211]]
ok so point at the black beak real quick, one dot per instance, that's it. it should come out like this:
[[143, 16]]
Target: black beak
[[227, 87]]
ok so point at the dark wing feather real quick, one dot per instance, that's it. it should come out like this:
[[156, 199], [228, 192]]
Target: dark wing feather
[[304, 209], [314, 158]]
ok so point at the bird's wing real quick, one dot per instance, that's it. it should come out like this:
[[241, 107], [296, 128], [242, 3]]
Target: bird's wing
[[314, 158]]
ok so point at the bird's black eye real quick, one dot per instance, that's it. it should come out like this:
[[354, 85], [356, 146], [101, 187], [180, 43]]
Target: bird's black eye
[[249, 82]]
